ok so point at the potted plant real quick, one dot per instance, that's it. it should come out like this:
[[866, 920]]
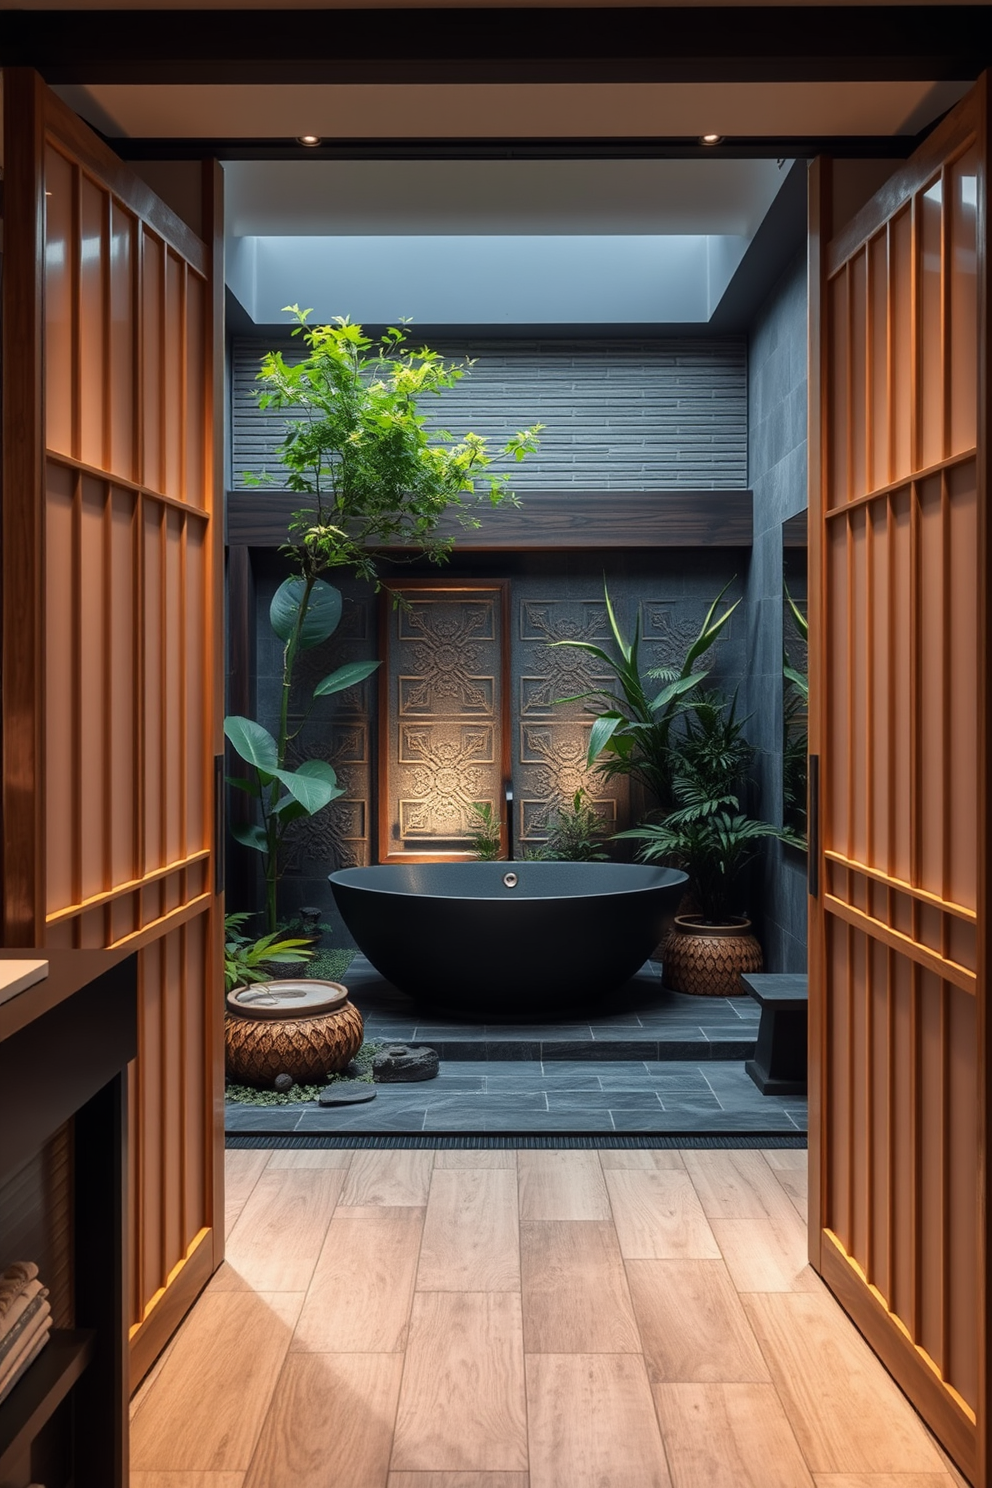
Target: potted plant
[[710, 836]]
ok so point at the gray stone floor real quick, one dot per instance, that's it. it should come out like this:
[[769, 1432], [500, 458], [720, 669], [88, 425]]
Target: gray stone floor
[[558, 1095], [652, 1062]]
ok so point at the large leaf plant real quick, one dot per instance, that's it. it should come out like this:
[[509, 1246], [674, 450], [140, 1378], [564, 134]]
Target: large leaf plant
[[304, 613], [632, 726], [708, 833]]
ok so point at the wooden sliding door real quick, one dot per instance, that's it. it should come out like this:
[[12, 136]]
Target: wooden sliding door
[[111, 684], [900, 695]]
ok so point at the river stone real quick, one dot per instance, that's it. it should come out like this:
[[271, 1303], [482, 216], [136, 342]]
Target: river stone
[[398, 1062], [283, 1083], [347, 1093]]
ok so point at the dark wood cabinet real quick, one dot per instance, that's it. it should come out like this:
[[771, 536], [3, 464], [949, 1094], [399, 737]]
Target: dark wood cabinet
[[65, 1044]]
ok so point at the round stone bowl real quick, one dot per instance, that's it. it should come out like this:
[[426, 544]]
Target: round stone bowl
[[307, 1029]]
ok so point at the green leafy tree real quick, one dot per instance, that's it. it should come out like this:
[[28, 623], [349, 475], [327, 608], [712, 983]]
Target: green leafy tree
[[358, 446]]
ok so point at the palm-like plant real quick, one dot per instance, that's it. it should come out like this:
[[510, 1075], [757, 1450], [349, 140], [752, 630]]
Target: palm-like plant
[[632, 728], [247, 960], [708, 834]]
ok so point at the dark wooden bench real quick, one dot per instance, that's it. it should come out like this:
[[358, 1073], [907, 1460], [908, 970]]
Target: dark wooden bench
[[779, 1063]]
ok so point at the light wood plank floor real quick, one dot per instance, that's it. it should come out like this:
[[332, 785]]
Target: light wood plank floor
[[535, 1320]]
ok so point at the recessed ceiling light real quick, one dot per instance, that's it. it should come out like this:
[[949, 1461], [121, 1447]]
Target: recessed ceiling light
[[308, 139], [711, 139]]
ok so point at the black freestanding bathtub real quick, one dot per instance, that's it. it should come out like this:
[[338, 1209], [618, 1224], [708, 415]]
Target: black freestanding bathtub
[[507, 938]]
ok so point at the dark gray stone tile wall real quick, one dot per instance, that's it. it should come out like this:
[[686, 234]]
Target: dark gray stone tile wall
[[777, 475], [630, 415]]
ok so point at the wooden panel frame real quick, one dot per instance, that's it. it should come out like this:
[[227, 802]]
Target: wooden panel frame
[[169, 907], [457, 586], [924, 931]]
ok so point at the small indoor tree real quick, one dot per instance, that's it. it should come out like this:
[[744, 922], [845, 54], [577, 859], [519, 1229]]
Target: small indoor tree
[[357, 450]]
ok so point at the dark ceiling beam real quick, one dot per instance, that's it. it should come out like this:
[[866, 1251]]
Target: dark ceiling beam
[[740, 147], [651, 44]]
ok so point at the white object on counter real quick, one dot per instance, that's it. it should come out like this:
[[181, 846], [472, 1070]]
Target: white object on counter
[[17, 976]]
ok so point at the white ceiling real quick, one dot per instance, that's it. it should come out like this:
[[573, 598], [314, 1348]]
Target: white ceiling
[[519, 110], [498, 197]]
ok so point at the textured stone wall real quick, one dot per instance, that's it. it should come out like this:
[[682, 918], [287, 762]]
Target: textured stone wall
[[618, 415], [777, 475]]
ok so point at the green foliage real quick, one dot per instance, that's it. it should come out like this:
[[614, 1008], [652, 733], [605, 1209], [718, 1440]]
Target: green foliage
[[304, 613], [575, 834], [356, 444], [633, 723], [247, 960], [357, 447], [485, 832], [707, 833]]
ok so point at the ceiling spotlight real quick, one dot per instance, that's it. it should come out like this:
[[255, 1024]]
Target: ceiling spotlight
[[711, 139], [308, 139]]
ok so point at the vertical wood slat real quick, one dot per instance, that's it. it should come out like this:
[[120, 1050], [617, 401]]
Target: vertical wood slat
[[212, 1032], [820, 228], [983, 795], [22, 515]]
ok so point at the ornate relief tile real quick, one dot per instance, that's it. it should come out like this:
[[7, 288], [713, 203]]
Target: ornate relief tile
[[338, 836], [553, 671], [552, 768], [672, 625], [443, 736]]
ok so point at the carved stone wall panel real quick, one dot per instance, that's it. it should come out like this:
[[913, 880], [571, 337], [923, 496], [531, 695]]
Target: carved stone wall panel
[[670, 626], [443, 737], [551, 737], [338, 836]]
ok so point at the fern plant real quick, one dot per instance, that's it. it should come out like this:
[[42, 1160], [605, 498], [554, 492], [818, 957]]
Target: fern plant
[[575, 834], [485, 832]]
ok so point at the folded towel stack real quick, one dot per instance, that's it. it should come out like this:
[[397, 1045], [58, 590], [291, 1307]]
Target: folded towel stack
[[25, 1321]]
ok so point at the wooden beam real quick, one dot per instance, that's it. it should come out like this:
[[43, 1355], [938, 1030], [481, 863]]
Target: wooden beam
[[546, 520], [592, 44]]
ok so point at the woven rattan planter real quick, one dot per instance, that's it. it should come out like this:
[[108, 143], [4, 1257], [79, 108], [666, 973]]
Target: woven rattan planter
[[267, 1034], [707, 960]]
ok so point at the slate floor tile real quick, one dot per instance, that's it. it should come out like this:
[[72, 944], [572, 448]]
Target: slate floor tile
[[571, 1100]]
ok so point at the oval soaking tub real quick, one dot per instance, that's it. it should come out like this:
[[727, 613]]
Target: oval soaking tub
[[501, 938]]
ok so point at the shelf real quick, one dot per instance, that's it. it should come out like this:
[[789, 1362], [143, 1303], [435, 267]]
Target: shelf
[[37, 1395]]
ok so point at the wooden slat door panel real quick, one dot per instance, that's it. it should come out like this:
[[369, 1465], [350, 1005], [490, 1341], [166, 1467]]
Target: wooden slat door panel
[[898, 482], [124, 587]]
